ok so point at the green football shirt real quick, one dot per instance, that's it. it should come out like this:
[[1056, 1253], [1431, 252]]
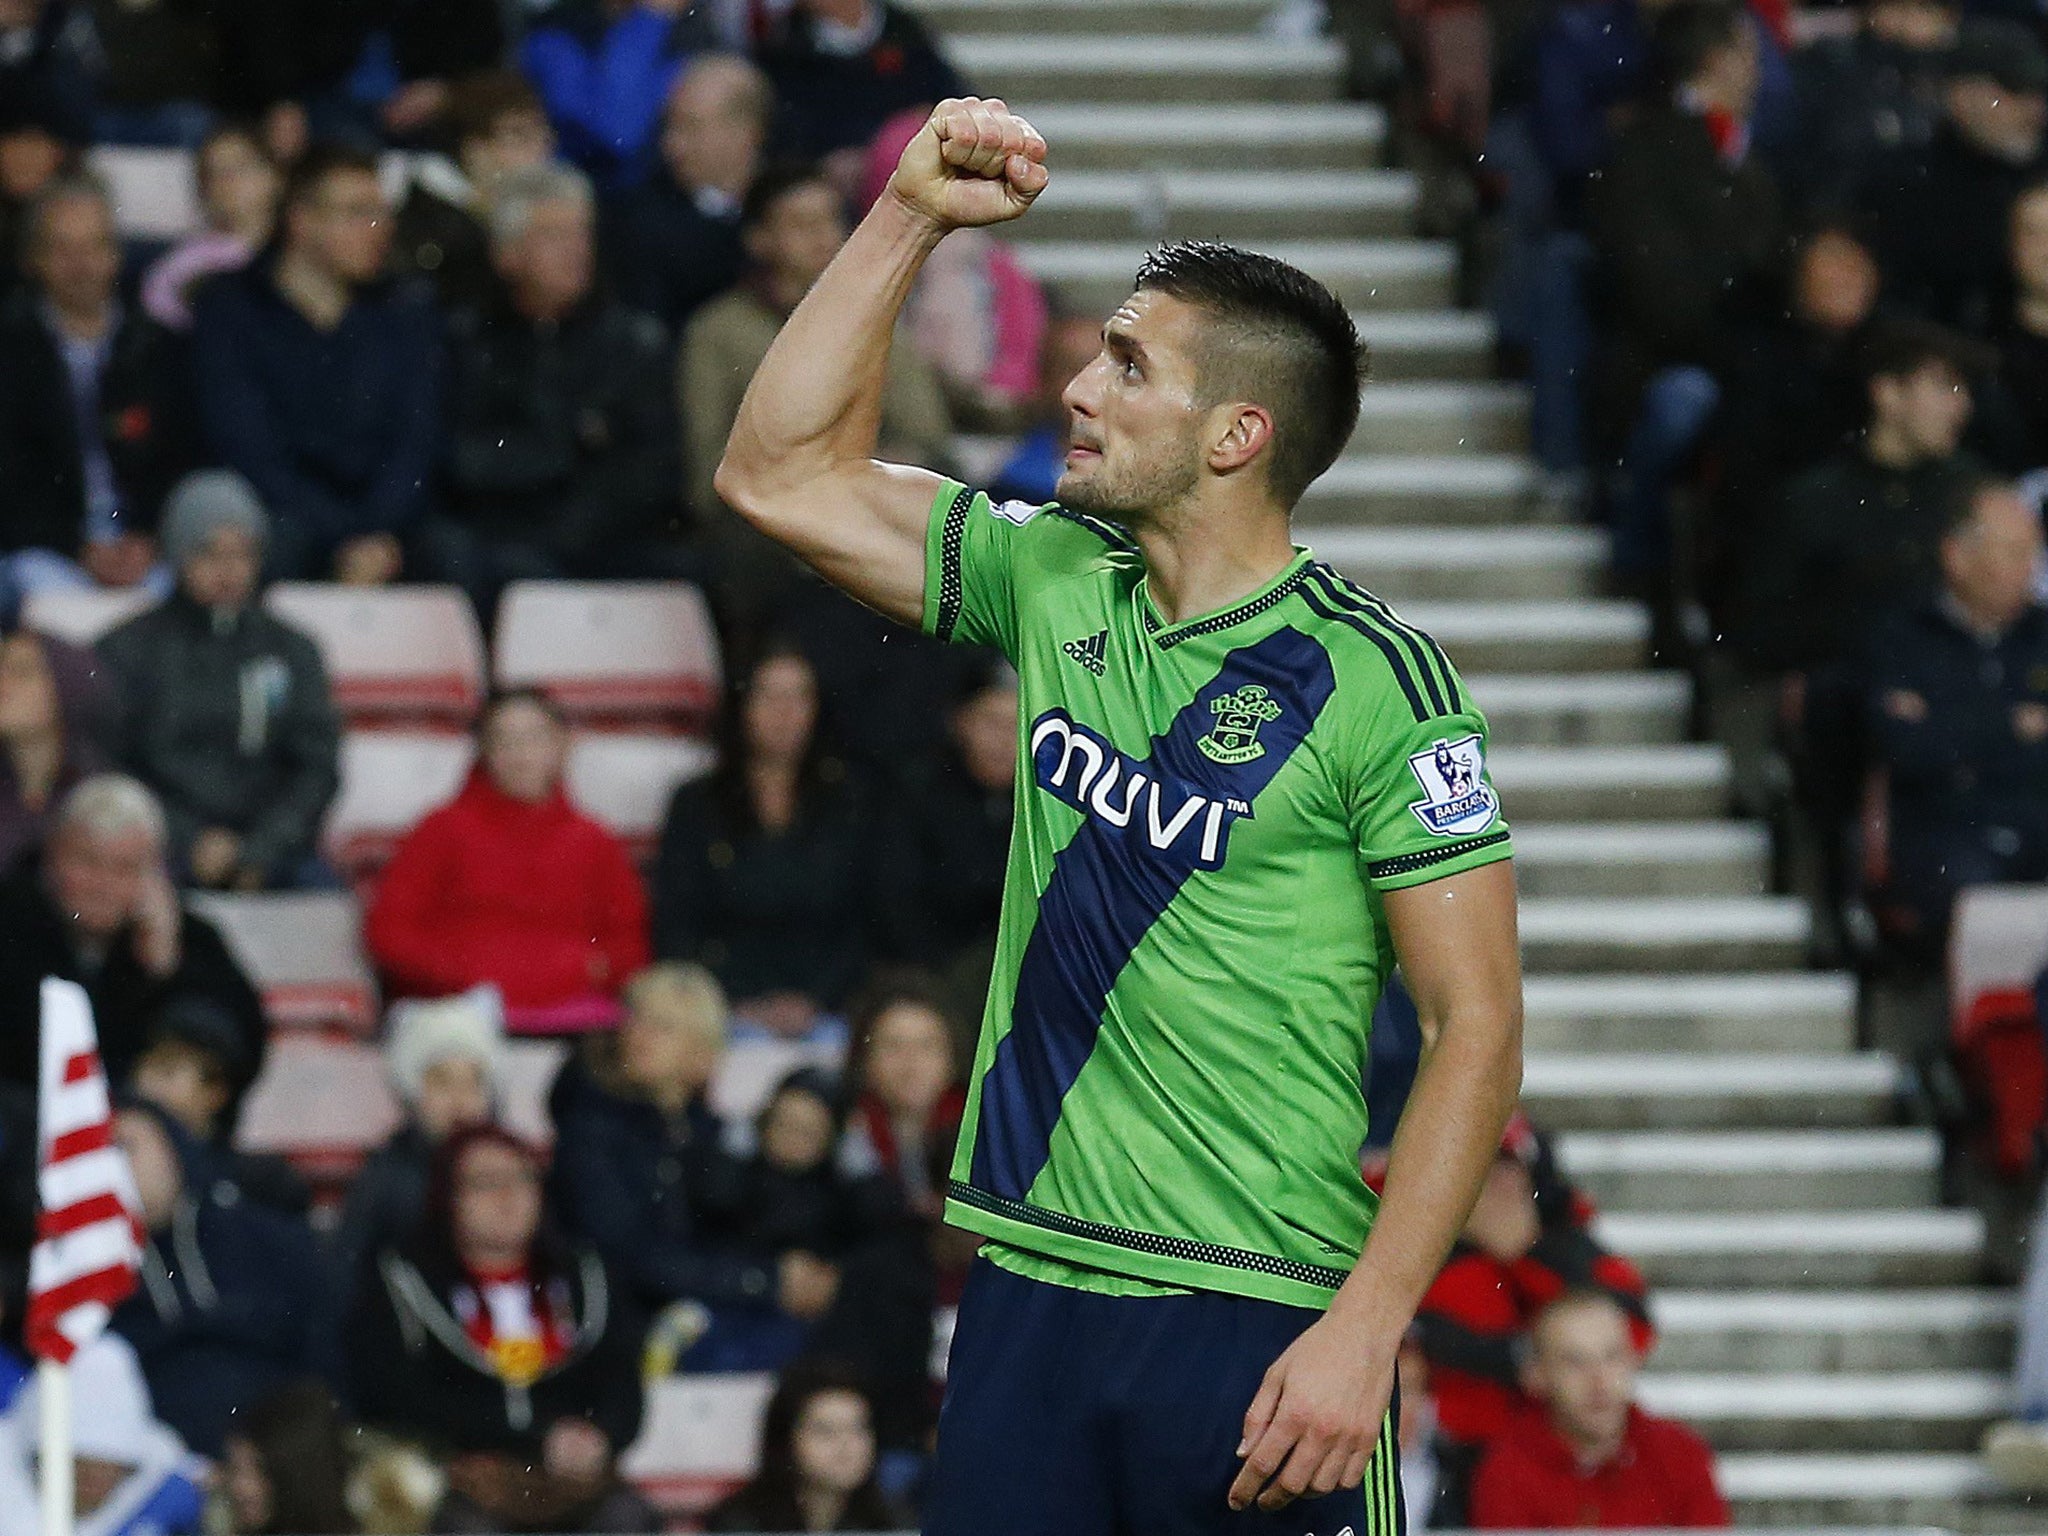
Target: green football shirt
[[1167, 1089]]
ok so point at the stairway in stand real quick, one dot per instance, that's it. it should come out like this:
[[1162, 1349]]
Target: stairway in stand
[[1820, 1319]]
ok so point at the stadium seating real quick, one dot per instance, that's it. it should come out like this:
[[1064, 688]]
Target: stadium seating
[[304, 952], [82, 617], [389, 780], [626, 781], [620, 654], [406, 655], [324, 1104], [527, 1077], [1998, 947], [154, 195], [699, 1440]]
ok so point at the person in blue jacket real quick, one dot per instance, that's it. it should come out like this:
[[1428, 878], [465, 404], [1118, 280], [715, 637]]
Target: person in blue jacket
[[604, 69]]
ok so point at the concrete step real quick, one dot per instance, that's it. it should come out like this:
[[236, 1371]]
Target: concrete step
[[1586, 636], [1246, 208], [1688, 782], [1451, 418], [1826, 1489], [1789, 1013], [1399, 274], [1460, 489], [1427, 343], [1671, 1090], [1772, 1411], [1642, 858], [967, 18], [1586, 709], [1755, 1170], [1636, 933], [1808, 1249], [1405, 564], [1957, 1330], [1223, 135], [1028, 69]]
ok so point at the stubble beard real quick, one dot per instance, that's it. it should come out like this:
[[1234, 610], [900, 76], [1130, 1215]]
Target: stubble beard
[[1133, 497]]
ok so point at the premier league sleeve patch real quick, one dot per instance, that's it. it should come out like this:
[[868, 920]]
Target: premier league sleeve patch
[[1456, 799]]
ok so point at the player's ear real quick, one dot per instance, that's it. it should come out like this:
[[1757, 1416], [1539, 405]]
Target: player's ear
[[1243, 430]]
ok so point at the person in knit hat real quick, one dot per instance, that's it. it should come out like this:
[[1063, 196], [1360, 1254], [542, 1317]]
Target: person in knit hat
[[444, 1058], [225, 710]]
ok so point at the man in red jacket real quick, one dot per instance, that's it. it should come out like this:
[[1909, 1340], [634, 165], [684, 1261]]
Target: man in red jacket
[[1584, 1454], [512, 885]]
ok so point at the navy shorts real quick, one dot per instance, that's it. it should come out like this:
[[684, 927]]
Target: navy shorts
[[1070, 1413]]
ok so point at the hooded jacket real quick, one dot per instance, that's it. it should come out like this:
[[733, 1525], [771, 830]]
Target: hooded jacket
[[536, 898], [1530, 1480]]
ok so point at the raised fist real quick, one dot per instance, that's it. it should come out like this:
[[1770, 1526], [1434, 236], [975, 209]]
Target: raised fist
[[974, 162]]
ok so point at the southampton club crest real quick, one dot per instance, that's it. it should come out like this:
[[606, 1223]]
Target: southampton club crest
[[1235, 736], [1456, 799]]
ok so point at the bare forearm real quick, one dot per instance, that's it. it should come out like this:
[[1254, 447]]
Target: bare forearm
[[815, 402], [1448, 1137]]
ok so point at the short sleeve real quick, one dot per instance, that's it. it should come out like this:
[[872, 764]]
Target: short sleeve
[[1422, 805], [973, 547]]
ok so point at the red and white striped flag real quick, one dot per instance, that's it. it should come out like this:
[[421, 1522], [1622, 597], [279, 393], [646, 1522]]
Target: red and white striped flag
[[88, 1250]]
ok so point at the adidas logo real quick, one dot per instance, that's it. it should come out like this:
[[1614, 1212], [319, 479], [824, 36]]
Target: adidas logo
[[1090, 652]]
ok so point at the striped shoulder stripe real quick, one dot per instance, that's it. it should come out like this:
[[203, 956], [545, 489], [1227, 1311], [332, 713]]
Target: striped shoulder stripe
[[952, 582], [1311, 595], [1102, 528], [1417, 640], [1337, 594]]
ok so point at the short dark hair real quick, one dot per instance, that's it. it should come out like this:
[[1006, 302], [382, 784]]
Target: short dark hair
[[1287, 342], [504, 698], [478, 104], [310, 173], [1961, 494], [1689, 33], [775, 181], [1898, 346]]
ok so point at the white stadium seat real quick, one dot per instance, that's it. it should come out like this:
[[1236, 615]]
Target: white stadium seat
[[154, 195], [303, 951], [389, 780], [700, 1440], [394, 653], [324, 1104], [82, 617], [626, 781], [611, 651]]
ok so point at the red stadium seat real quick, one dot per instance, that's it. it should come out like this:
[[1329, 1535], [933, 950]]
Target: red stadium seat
[[395, 654], [1998, 947], [304, 952], [389, 780], [324, 1104], [626, 781], [82, 617], [700, 1440], [616, 653]]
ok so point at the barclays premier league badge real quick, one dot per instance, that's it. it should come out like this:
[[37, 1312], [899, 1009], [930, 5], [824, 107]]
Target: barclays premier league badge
[[1456, 799]]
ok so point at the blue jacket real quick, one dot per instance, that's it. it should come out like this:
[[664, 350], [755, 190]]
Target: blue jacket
[[340, 432], [657, 1197], [605, 83]]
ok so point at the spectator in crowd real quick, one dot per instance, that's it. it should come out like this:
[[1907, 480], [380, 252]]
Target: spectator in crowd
[[844, 67], [286, 1466], [1689, 233], [444, 1059], [1865, 97], [675, 242], [793, 224], [225, 711], [817, 1468], [1940, 212], [233, 1302], [906, 1114], [96, 906], [53, 733], [2011, 427], [1528, 1242], [442, 231], [132, 1476], [92, 427], [942, 860], [46, 51], [321, 383], [563, 457], [1856, 534], [641, 1174], [1582, 1453], [761, 865], [604, 69], [238, 185], [506, 1349], [975, 315], [32, 155], [1072, 338], [795, 1198], [1955, 705], [512, 885]]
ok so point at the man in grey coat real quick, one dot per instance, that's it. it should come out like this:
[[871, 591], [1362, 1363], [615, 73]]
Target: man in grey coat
[[224, 710]]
